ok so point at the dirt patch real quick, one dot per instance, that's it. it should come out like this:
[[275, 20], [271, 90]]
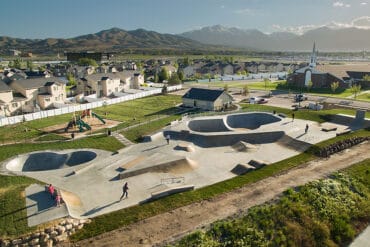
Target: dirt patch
[[166, 227], [94, 123]]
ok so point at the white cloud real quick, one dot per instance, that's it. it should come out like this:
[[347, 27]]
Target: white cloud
[[222, 6], [341, 5], [362, 22], [364, 3]]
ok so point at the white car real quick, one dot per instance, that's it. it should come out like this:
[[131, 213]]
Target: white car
[[257, 100]]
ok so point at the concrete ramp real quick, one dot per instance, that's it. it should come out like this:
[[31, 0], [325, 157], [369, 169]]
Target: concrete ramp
[[179, 166], [252, 120], [293, 144], [45, 161], [170, 191], [208, 125], [243, 146], [241, 169]]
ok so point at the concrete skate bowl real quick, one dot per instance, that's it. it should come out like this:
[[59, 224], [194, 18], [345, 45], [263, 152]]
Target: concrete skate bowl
[[208, 125], [179, 166], [45, 161], [250, 120], [226, 139]]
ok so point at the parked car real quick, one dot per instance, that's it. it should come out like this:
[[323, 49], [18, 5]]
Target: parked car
[[300, 97], [257, 100], [262, 101]]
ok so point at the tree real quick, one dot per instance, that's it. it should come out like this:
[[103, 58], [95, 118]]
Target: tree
[[245, 90], [163, 75], [366, 77], [334, 86], [181, 75], [309, 85], [355, 89], [226, 88], [174, 79], [266, 81], [71, 79], [30, 65], [17, 63], [156, 78], [87, 62]]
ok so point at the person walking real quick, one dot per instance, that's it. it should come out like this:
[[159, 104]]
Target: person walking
[[306, 129], [51, 190], [58, 199], [124, 191], [168, 139]]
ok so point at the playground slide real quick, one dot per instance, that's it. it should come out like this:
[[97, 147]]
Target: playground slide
[[98, 117], [81, 124]]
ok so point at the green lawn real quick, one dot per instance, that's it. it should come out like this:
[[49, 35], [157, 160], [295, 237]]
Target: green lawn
[[136, 134], [99, 142], [130, 112], [365, 96]]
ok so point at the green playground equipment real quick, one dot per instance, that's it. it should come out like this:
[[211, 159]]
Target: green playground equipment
[[82, 125], [98, 117]]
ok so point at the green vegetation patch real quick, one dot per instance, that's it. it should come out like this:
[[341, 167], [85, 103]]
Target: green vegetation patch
[[50, 137], [13, 213], [326, 212], [136, 134], [98, 142]]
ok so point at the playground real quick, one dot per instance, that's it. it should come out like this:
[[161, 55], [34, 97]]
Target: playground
[[200, 151], [81, 124]]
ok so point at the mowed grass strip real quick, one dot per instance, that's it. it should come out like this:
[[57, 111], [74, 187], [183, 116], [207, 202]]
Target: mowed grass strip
[[129, 112], [117, 219], [13, 220], [99, 142]]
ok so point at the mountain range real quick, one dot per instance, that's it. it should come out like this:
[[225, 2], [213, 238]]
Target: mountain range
[[113, 39], [207, 39], [328, 39]]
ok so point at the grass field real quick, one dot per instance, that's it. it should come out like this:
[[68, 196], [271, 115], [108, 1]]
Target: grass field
[[130, 112]]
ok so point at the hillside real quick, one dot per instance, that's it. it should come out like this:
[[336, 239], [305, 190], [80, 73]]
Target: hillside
[[114, 39], [328, 39]]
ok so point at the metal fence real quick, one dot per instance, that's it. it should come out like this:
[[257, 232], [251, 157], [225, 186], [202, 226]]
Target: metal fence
[[69, 109]]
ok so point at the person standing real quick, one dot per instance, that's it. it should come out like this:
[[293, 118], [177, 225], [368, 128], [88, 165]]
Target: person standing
[[306, 129], [57, 199], [168, 139], [292, 116], [51, 190], [124, 191]]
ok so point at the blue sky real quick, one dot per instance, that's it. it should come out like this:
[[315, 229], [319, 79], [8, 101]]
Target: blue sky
[[70, 18]]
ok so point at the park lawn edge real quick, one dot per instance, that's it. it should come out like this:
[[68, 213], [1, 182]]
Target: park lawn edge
[[126, 216]]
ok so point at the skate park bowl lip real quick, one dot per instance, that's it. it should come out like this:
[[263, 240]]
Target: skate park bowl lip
[[49, 160], [250, 120]]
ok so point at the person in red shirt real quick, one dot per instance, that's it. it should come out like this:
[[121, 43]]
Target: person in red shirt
[[51, 190]]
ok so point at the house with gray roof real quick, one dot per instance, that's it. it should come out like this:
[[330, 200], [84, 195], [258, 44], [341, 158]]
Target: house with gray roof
[[40, 93], [207, 99], [106, 84]]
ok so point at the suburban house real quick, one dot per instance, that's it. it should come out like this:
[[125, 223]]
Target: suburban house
[[207, 99], [41, 93], [106, 84], [7, 104]]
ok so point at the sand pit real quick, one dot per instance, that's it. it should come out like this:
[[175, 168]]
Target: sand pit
[[95, 124]]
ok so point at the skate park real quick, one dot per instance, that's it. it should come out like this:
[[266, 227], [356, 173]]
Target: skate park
[[201, 151]]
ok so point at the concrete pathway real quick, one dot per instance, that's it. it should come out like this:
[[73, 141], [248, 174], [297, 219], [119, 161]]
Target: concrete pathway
[[41, 207], [362, 240], [122, 139]]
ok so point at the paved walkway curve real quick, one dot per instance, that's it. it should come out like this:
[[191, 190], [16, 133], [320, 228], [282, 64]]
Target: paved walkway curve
[[172, 225]]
